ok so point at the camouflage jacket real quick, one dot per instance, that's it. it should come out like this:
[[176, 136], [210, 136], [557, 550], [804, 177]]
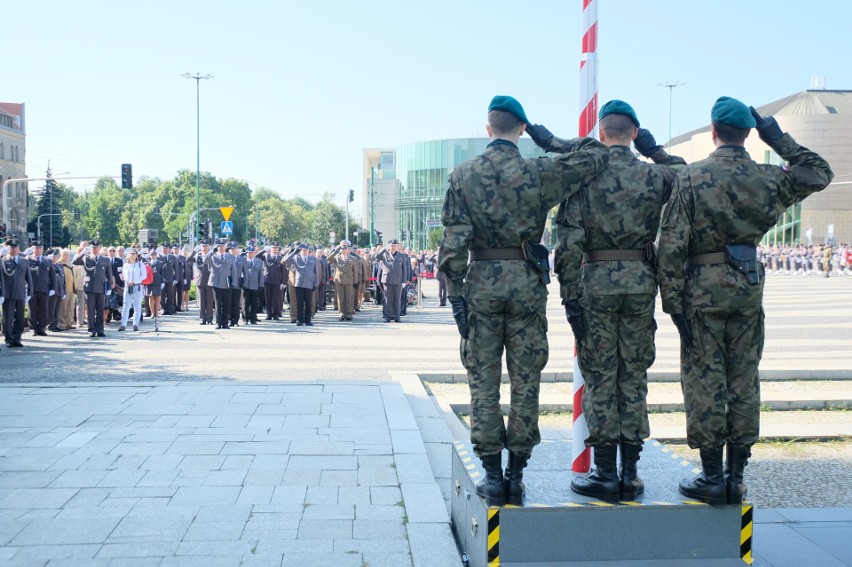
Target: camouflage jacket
[[498, 200], [728, 199], [617, 210]]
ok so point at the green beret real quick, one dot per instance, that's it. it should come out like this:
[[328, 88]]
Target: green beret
[[508, 104], [618, 107], [729, 110]]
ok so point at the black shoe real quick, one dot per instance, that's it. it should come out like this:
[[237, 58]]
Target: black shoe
[[178, 310], [734, 467], [17, 344], [268, 318], [387, 320], [396, 320], [513, 479], [122, 328], [204, 322], [631, 485], [348, 318], [299, 323], [309, 324], [93, 335], [709, 486], [602, 482], [135, 328], [40, 334], [101, 334], [235, 324], [491, 487], [254, 322]]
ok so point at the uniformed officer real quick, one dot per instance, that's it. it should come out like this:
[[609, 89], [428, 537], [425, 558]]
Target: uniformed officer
[[180, 281], [324, 275], [252, 282], [391, 275], [16, 287], [274, 281], [98, 284], [223, 270], [204, 292], [304, 269], [495, 205], [346, 269], [55, 301], [607, 274], [364, 268], [236, 284], [712, 285], [169, 274], [44, 286], [154, 290]]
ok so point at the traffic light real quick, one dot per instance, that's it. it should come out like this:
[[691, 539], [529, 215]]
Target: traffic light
[[351, 195], [2, 230], [379, 237], [126, 176]]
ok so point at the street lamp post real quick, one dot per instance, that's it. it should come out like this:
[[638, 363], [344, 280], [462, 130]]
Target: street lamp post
[[197, 77], [670, 85]]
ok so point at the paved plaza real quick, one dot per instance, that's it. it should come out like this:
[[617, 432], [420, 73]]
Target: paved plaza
[[283, 445]]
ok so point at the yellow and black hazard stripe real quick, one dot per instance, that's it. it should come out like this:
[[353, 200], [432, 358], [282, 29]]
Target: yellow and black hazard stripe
[[494, 537], [746, 533]]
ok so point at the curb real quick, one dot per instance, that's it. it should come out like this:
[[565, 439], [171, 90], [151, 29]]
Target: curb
[[450, 377]]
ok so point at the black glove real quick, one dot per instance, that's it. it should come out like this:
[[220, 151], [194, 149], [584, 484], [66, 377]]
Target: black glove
[[679, 320], [460, 314], [540, 135], [767, 128], [574, 313], [645, 143]]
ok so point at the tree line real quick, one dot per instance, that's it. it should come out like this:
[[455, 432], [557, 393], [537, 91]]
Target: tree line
[[115, 215]]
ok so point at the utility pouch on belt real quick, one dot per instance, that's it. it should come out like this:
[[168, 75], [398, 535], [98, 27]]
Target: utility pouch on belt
[[536, 256], [743, 258], [651, 254]]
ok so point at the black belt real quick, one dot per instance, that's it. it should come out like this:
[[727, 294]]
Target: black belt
[[613, 255], [496, 254], [707, 259]]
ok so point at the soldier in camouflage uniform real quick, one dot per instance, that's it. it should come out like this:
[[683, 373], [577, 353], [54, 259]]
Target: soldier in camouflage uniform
[[607, 274], [493, 204], [712, 285]]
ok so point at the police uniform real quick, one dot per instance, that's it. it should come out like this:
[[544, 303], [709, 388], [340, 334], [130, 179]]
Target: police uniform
[[236, 285], [169, 274], [252, 281], [494, 203], [180, 276], [304, 273], [16, 286], [97, 283], [346, 269], [391, 275], [712, 286], [44, 286], [223, 270], [324, 275], [206, 299], [273, 282], [54, 302], [607, 275]]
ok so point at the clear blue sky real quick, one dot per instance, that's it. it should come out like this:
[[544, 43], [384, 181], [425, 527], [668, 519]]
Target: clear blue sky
[[301, 88]]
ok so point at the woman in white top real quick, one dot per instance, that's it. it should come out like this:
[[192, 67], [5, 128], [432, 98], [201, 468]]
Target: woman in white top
[[134, 274]]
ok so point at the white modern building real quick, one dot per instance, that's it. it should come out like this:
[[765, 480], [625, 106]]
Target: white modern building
[[13, 165]]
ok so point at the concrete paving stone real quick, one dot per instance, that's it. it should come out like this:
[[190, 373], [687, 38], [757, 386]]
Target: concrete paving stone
[[39, 514], [373, 512], [432, 544], [308, 462], [140, 448], [385, 495], [150, 526], [138, 549], [195, 421], [195, 448], [339, 478], [28, 479], [259, 536], [379, 559], [237, 462], [272, 462], [214, 531], [311, 447], [128, 462], [88, 497], [318, 559], [817, 514], [255, 448], [79, 479], [264, 398], [263, 477], [98, 461], [202, 462], [237, 512], [16, 462], [143, 492], [230, 421], [407, 442], [288, 409], [122, 478], [374, 529], [324, 529], [215, 548], [379, 545], [56, 553], [222, 409], [424, 503], [147, 505], [377, 475], [289, 495], [156, 408], [206, 496], [92, 529], [373, 449], [414, 468], [123, 505], [77, 439], [158, 478], [401, 419], [10, 528], [30, 498], [329, 512], [321, 495], [273, 521], [255, 495], [264, 422], [296, 546], [306, 477], [354, 495], [440, 459], [202, 561], [136, 562], [367, 418], [434, 430], [831, 538], [261, 559], [789, 547], [305, 421], [149, 437], [190, 477], [358, 435]]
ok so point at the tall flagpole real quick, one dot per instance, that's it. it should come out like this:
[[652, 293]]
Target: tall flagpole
[[581, 455]]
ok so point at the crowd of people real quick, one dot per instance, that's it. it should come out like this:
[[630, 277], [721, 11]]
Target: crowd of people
[[804, 259], [95, 286]]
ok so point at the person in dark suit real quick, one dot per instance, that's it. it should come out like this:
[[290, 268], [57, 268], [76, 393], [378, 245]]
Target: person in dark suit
[[252, 283], [16, 287], [206, 300], [98, 284], [274, 281], [154, 290], [44, 286], [55, 300], [169, 274], [324, 275], [180, 282], [391, 264], [116, 265], [223, 270], [236, 284]]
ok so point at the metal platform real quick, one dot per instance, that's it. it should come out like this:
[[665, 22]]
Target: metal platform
[[557, 527]]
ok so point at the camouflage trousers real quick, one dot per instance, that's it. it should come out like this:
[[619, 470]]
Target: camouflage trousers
[[519, 326], [614, 357], [719, 377]]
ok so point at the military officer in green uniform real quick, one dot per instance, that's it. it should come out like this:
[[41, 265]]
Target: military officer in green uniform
[[711, 285], [494, 210], [607, 273]]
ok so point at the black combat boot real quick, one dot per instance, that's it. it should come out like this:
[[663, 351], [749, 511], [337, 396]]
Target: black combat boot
[[709, 485], [491, 487], [602, 482], [631, 485], [734, 466], [513, 480]]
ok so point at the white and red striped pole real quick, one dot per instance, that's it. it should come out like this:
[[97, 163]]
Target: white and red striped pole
[[581, 456]]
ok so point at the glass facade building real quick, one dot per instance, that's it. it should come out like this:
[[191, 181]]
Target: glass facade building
[[422, 170]]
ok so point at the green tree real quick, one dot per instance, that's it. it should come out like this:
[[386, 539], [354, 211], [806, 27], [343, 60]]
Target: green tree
[[434, 238], [105, 205]]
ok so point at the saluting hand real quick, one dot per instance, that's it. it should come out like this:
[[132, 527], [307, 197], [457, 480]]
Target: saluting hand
[[767, 127]]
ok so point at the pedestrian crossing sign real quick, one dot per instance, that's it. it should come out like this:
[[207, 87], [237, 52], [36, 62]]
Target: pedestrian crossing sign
[[227, 227]]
